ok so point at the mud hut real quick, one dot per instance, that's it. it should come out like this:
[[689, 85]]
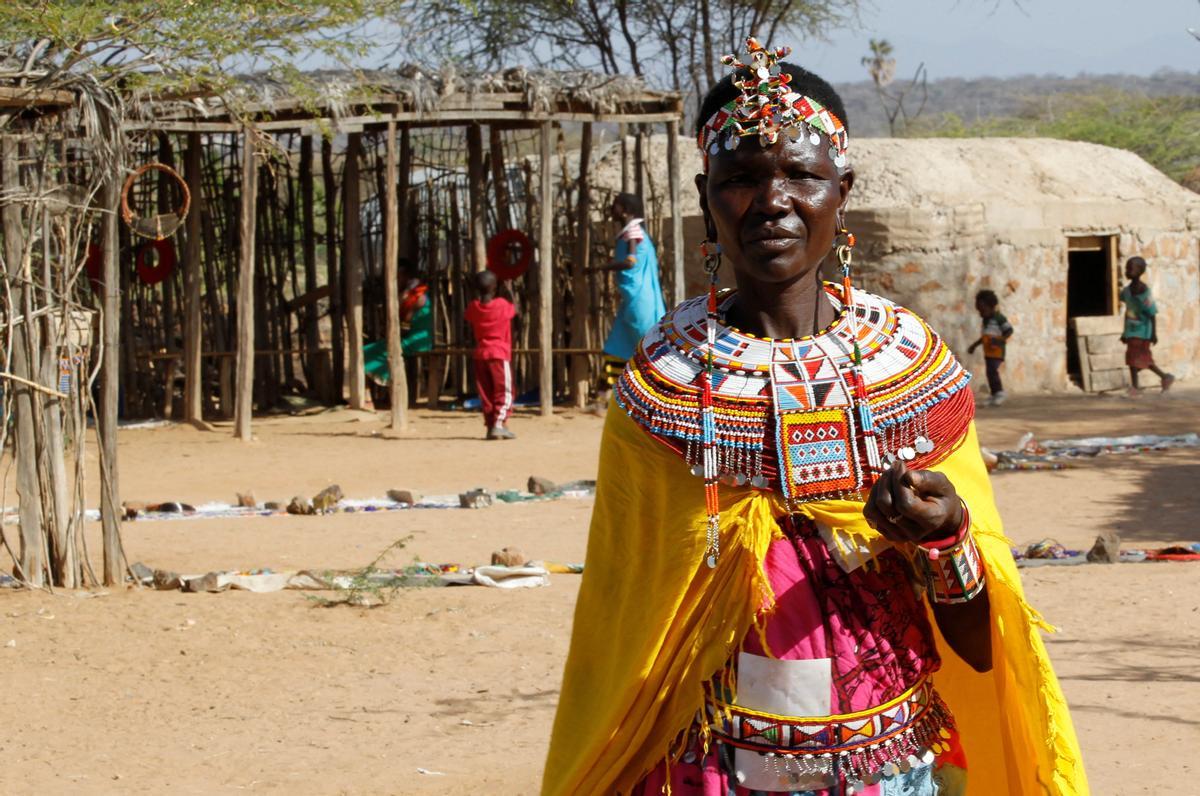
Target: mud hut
[[1047, 224]]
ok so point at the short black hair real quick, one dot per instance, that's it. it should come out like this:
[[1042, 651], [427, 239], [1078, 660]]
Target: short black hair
[[485, 281], [1137, 262], [803, 82], [987, 298], [632, 203]]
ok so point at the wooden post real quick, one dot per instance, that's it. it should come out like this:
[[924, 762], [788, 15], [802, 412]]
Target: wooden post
[[314, 361], [25, 402], [500, 177], [193, 374], [244, 383], [639, 163], [334, 270], [398, 379], [546, 279], [110, 491], [680, 291], [580, 298], [475, 180], [623, 131], [352, 270]]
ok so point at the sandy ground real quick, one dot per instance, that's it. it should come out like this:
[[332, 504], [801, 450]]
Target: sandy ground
[[453, 690]]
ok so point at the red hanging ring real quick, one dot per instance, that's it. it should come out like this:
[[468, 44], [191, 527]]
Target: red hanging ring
[[500, 260], [152, 273], [161, 225]]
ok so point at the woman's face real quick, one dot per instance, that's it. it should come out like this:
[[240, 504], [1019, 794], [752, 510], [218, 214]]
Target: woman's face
[[774, 210]]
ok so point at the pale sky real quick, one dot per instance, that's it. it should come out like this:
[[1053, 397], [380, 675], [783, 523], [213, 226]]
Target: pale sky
[[999, 38]]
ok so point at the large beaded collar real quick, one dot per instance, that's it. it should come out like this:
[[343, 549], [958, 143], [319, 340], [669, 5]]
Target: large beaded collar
[[786, 413]]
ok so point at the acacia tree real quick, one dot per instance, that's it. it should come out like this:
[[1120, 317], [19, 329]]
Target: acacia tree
[[60, 160], [881, 66], [675, 44]]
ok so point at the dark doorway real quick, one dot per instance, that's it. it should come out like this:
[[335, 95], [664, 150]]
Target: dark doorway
[[1091, 285]]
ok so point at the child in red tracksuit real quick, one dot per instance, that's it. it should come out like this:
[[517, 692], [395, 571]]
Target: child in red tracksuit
[[491, 317]]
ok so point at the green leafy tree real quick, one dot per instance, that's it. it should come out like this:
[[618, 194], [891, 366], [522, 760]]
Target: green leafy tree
[[673, 44], [1165, 131], [177, 46]]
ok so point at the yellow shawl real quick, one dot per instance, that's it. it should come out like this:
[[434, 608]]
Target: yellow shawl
[[653, 624]]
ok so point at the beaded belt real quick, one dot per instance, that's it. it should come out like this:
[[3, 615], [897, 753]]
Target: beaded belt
[[859, 746]]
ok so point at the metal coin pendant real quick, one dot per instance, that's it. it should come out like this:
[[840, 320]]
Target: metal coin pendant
[[698, 469], [923, 445], [712, 562], [759, 482], [906, 454]]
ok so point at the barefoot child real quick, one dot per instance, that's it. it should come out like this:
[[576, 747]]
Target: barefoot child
[[1141, 330], [491, 317], [996, 331]]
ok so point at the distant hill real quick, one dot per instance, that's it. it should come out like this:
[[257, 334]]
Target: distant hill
[[978, 99]]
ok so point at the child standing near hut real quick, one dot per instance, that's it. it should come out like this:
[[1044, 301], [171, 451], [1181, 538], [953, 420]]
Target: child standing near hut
[[1141, 329], [491, 317], [994, 339]]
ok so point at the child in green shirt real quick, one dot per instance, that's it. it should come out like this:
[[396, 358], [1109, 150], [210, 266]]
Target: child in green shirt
[[1140, 326]]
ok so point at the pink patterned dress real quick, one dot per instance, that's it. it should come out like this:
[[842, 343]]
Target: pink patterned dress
[[869, 624]]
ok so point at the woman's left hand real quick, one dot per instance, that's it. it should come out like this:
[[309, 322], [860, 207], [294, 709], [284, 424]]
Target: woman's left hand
[[913, 505]]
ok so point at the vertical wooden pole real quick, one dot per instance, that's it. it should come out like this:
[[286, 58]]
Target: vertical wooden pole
[[680, 288], [352, 270], [500, 177], [244, 382], [314, 362], [475, 180], [398, 380], [110, 490], [626, 185], [25, 402], [334, 270], [546, 279], [639, 163], [193, 375], [580, 298]]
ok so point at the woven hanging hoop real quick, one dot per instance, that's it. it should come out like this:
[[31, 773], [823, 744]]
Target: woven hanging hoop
[[158, 226]]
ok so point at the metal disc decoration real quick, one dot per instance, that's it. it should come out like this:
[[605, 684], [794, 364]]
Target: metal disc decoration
[[509, 253], [160, 225], [153, 271]]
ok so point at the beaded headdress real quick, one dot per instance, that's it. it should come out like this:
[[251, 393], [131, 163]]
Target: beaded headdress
[[767, 107]]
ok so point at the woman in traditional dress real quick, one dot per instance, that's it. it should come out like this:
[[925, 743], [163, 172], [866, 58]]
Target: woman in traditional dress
[[640, 300], [833, 608]]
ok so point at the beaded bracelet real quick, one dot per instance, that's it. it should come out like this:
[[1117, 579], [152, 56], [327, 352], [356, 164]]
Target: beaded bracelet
[[953, 568]]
